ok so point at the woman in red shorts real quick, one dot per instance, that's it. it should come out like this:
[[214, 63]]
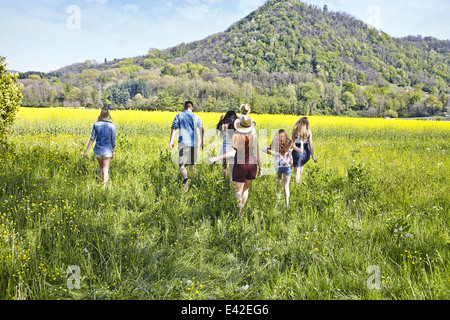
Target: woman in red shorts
[[246, 159]]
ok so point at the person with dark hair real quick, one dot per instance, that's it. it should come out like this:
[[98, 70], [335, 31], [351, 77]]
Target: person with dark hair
[[187, 123], [104, 133], [226, 128]]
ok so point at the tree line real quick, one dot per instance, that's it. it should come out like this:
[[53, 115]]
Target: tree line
[[267, 92]]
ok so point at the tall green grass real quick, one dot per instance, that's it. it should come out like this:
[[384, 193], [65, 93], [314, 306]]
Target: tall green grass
[[374, 199]]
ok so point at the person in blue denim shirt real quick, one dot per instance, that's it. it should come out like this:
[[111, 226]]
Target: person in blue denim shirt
[[187, 123], [104, 133]]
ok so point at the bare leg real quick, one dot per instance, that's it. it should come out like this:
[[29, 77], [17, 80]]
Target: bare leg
[[224, 173], [239, 186], [242, 196], [279, 186], [287, 193], [224, 169], [183, 172], [298, 174], [100, 169], [245, 191], [186, 180], [106, 165], [230, 173]]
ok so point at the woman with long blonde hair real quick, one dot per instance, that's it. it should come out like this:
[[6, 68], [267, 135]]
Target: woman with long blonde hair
[[302, 136], [104, 133]]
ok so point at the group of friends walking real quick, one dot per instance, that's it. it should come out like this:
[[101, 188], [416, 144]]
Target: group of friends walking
[[239, 153]]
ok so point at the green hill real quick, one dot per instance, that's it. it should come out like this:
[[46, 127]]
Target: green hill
[[292, 36], [287, 57]]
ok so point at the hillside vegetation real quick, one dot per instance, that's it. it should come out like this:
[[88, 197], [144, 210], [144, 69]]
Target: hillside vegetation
[[286, 57]]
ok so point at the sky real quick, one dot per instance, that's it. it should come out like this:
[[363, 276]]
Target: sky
[[44, 35]]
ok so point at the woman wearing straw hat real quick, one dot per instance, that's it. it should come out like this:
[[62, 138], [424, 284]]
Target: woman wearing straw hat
[[247, 159]]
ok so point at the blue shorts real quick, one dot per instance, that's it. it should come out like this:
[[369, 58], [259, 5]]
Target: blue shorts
[[103, 156], [287, 171]]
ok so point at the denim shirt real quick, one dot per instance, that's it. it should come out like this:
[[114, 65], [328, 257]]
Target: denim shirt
[[105, 133], [187, 123]]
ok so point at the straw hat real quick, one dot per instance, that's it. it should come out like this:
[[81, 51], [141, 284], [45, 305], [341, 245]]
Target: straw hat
[[245, 124], [245, 108]]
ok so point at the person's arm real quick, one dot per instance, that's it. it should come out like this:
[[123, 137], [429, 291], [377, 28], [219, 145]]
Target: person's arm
[[172, 135], [91, 142], [312, 148], [229, 154], [202, 134], [113, 139], [175, 127], [258, 159], [267, 150], [299, 150]]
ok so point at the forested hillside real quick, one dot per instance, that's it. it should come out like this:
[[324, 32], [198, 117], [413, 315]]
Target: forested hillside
[[286, 57]]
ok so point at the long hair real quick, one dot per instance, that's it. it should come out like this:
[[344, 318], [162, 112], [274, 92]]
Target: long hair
[[104, 115], [301, 129], [229, 119], [281, 142], [241, 140]]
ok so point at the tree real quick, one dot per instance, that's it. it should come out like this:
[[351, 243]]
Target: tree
[[433, 104], [169, 70], [348, 99], [361, 78], [416, 98], [309, 94], [350, 87], [390, 113], [10, 97]]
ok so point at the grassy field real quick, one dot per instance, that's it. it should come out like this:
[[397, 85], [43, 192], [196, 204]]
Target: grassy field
[[370, 220]]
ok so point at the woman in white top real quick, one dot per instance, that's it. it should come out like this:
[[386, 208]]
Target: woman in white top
[[303, 139]]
